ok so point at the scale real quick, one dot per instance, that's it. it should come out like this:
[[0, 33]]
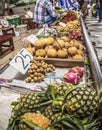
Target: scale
[[4, 23]]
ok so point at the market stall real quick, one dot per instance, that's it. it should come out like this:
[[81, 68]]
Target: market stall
[[55, 68]]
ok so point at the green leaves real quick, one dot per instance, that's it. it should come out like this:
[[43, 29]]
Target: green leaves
[[71, 122]]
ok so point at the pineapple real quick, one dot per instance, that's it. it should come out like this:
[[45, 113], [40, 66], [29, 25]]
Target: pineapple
[[34, 118], [81, 101], [30, 101], [52, 113], [61, 88]]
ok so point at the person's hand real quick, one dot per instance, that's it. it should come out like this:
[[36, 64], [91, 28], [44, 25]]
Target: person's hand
[[64, 14]]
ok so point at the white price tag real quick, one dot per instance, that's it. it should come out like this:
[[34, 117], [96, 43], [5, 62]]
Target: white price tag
[[25, 54], [21, 61], [32, 38], [62, 24]]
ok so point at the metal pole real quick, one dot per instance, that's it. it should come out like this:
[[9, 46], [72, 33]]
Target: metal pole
[[95, 67]]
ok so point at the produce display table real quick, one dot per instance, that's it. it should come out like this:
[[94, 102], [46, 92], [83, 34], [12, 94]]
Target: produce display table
[[9, 31]]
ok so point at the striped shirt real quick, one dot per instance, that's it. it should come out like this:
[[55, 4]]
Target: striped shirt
[[44, 12]]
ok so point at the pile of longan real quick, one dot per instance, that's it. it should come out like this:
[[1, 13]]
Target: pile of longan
[[37, 71]]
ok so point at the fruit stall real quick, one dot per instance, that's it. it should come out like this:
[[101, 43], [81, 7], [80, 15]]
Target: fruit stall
[[58, 78]]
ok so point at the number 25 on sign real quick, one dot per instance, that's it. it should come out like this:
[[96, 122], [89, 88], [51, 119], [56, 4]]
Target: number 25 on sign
[[22, 61]]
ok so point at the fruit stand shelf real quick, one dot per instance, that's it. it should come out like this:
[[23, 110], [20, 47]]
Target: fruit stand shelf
[[63, 62]]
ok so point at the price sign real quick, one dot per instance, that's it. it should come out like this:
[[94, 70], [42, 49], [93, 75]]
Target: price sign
[[62, 24], [22, 61], [32, 38]]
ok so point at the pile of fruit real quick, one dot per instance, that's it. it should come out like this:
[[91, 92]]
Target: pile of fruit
[[62, 47], [76, 35], [37, 71], [70, 16], [70, 27], [62, 106], [74, 75]]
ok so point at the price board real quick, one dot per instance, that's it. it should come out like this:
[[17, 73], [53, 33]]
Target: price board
[[22, 61]]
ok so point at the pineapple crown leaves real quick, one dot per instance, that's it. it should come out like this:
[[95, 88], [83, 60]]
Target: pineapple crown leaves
[[52, 91], [57, 101], [66, 121]]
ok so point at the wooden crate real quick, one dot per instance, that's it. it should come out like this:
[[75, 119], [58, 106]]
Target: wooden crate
[[63, 62]]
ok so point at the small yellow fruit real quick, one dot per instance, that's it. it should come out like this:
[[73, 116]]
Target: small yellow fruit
[[80, 46], [59, 44], [39, 43], [74, 43], [48, 47], [77, 57], [40, 52], [72, 50], [62, 53], [52, 53], [67, 44], [80, 52]]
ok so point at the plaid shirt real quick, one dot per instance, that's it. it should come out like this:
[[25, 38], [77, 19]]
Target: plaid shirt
[[68, 4], [44, 12]]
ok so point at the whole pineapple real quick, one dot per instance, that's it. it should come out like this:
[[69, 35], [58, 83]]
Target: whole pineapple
[[30, 101], [81, 101], [38, 119]]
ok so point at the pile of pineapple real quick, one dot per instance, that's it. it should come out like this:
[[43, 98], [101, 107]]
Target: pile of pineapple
[[62, 47], [62, 106]]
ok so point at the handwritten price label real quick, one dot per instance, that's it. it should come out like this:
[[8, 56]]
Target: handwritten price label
[[22, 61], [62, 24], [32, 38]]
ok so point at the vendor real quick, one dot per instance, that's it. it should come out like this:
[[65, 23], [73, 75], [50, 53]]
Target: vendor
[[44, 12], [68, 4], [85, 8]]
